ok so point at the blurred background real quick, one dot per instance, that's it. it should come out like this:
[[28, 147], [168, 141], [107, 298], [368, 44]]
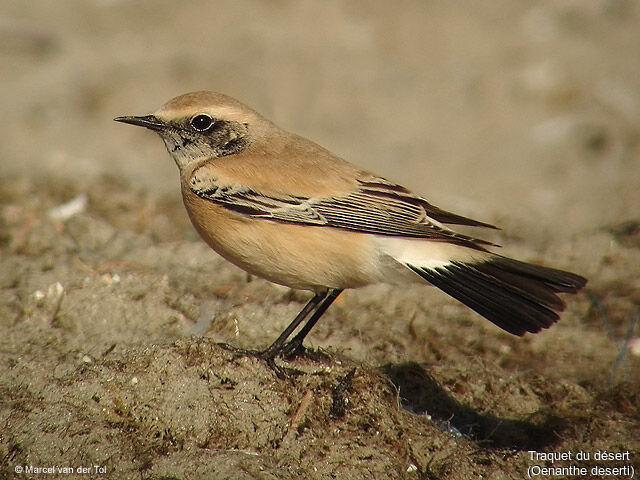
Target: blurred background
[[511, 111]]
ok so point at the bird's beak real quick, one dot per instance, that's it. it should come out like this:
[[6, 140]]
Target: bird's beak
[[147, 121]]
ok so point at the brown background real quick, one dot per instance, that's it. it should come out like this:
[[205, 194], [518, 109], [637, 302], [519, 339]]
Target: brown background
[[521, 114]]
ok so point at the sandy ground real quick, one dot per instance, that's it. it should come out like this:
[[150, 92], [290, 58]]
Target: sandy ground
[[525, 115]]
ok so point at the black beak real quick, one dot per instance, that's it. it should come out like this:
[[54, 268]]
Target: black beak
[[147, 121]]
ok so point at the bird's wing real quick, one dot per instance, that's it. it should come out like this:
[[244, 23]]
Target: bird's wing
[[376, 206]]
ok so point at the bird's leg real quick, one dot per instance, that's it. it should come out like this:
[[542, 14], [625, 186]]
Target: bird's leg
[[314, 307], [293, 347], [276, 347]]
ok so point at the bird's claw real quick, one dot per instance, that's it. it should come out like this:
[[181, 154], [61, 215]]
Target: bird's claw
[[288, 351]]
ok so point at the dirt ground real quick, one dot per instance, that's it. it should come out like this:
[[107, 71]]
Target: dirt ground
[[521, 114]]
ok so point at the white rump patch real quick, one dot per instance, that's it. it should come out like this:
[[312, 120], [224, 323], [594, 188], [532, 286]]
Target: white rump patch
[[427, 254]]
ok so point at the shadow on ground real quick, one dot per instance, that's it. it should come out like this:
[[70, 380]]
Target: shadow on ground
[[421, 394]]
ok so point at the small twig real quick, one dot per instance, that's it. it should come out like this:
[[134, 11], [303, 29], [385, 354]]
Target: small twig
[[298, 416], [58, 290], [623, 350], [605, 318], [105, 267], [622, 345]]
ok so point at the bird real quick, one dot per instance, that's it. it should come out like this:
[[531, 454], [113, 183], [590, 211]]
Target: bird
[[285, 209]]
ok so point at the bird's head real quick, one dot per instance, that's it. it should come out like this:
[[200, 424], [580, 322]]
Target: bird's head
[[202, 125]]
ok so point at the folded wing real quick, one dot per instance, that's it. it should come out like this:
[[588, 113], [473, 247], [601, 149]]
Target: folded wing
[[375, 207]]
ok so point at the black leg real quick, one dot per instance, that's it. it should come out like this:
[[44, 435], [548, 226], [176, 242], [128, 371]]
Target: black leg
[[315, 307], [295, 344], [274, 349]]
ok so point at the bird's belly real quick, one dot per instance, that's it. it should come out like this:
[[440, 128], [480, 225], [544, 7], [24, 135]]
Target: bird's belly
[[297, 256]]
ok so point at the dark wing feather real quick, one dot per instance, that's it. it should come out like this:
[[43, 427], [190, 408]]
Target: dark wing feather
[[382, 187]]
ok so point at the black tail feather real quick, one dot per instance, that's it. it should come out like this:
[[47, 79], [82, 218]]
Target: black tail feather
[[559, 280], [516, 296]]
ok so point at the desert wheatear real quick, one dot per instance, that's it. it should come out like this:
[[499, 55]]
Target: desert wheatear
[[283, 208]]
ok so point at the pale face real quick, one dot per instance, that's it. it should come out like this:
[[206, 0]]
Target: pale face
[[201, 125], [201, 135]]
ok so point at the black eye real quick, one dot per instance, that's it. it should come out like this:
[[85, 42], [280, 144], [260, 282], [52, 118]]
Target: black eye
[[201, 122]]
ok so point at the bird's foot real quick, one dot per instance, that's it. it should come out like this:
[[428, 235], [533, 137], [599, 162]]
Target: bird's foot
[[287, 352], [268, 356], [292, 349]]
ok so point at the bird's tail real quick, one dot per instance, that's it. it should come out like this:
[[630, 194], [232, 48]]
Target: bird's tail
[[518, 297]]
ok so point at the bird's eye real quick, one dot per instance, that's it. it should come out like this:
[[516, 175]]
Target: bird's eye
[[201, 122]]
